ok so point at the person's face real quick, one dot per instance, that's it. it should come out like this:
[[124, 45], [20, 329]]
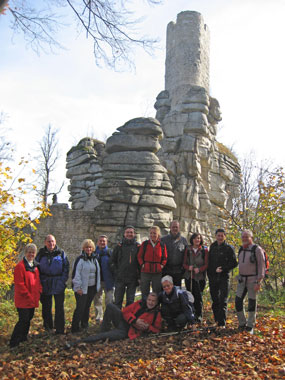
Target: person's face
[[197, 241], [50, 243], [174, 228], [246, 238], [129, 233], [167, 287], [88, 249], [102, 242], [151, 301], [221, 237], [153, 234], [30, 254]]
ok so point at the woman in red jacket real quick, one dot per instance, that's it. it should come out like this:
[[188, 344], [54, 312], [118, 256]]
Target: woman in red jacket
[[27, 294], [152, 257]]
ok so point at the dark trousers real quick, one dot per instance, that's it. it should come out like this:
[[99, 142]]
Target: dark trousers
[[125, 286], [174, 321], [22, 327], [82, 310], [197, 291], [219, 290], [113, 317], [150, 278], [59, 321]]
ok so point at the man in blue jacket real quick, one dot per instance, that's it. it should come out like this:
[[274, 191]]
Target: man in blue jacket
[[54, 268], [107, 282]]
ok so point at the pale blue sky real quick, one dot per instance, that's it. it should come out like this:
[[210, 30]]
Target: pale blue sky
[[70, 92]]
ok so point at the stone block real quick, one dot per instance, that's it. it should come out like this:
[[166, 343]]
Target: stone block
[[130, 168], [197, 122], [142, 125], [120, 142], [78, 170], [187, 144], [139, 158], [86, 157]]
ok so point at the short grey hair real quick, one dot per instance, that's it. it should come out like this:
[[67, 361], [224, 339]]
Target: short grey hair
[[31, 246], [249, 232], [167, 278]]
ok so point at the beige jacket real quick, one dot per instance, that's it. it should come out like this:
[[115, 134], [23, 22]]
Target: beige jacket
[[254, 271]]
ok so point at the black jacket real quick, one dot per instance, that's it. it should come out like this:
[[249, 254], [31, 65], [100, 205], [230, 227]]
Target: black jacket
[[176, 303], [123, 262], [222, 255]]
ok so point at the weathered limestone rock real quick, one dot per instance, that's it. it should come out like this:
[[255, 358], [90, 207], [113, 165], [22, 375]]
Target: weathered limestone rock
[[135, 187], [187, 55], [152, 170], [204, 174], [85, 173]]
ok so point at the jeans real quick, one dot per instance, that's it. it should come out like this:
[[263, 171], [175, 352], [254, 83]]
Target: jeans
[[22, 327], [98, 300], [154, 279], [113, 316], [59, 321], [219, 290], [197, 291], [120, 288], [82, 311]]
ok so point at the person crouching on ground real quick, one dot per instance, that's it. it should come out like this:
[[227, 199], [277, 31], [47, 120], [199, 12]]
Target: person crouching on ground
[[135, 320], [176, 307], [28, 289], [86, 283]]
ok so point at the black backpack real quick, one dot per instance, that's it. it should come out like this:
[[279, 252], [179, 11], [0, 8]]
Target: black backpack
[[253, 258], [144, 244]]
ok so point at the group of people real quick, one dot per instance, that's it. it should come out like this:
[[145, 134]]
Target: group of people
[[159, 263]]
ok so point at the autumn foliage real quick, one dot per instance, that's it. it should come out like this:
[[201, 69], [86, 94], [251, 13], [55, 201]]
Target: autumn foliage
[[16, 224], [223, 354]]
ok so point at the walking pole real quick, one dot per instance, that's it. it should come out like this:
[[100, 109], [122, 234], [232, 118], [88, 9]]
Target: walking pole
[[191, 281]]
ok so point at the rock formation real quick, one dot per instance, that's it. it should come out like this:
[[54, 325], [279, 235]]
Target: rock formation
[[85, 173], [135, 187], [131, 180], [204, 174]]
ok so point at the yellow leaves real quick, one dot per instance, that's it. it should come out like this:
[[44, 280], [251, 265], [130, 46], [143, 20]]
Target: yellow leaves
[[21, 180]]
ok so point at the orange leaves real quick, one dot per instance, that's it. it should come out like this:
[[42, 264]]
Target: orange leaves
[[225, 354]]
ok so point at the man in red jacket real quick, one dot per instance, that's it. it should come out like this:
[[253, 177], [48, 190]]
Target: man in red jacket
[[133, 321], [27, 294]]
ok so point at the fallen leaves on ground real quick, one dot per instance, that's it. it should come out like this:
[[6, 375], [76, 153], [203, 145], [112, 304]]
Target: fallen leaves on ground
[[224, 354]]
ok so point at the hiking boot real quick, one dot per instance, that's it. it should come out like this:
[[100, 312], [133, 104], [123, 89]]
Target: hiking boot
[[242, 328], [249, 329]]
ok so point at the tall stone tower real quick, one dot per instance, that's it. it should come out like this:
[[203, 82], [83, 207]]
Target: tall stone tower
[[187, 55], [204, 174]]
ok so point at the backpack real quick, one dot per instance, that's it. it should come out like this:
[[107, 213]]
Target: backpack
[[253, 258], [144, 244]]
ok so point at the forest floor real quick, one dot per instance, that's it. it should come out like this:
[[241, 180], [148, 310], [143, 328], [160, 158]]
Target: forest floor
[[194, 354]]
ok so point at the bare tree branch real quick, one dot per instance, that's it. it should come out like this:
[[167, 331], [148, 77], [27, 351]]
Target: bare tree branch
[[47, 160], [109, 23]]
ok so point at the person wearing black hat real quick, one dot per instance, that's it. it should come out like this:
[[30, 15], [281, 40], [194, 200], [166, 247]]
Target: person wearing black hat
[[125, 268]]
